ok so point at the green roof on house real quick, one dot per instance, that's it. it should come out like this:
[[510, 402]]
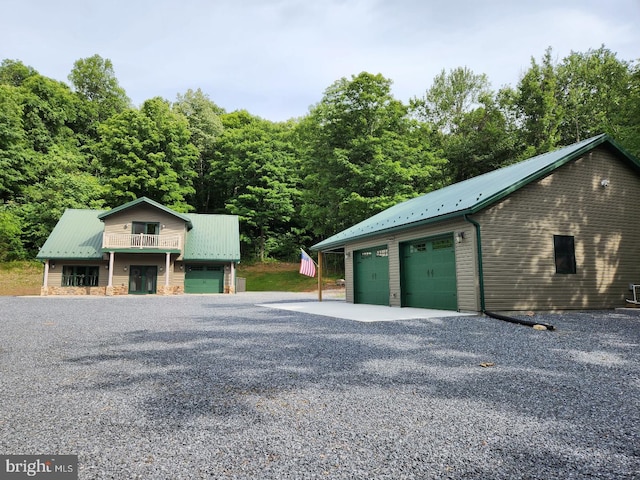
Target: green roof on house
[[77, 235], [148, 201], [469, 196], [213, 237]]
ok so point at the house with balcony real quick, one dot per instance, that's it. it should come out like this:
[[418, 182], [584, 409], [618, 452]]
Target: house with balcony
[[141, 247]]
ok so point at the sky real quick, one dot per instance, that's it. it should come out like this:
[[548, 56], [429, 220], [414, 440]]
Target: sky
[[276, 58]]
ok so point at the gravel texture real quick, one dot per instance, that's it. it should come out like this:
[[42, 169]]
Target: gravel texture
[[212, 386]]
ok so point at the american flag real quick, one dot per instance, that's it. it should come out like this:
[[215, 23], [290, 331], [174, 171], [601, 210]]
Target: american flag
[[307, 265]]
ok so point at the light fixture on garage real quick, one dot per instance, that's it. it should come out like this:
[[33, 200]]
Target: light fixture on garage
[[459, 237], [604, 183]]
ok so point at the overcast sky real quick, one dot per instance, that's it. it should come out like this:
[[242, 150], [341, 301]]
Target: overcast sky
[[275, 58]]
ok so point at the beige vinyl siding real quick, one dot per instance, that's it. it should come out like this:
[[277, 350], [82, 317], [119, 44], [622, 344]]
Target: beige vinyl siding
[[55, 274], [466, 262], [517, 238], [121, 222], [125, 260]]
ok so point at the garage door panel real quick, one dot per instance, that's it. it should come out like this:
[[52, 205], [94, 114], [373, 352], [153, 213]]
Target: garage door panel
[[204, 279], [428, 274], [371, 276]]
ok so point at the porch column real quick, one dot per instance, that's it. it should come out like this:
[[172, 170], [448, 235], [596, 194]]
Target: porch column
[[232, 279], [111, 255], [319, 275], [167, 262], [45, 281]]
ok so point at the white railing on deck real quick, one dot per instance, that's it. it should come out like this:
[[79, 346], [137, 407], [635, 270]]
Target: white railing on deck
[[140, 240]]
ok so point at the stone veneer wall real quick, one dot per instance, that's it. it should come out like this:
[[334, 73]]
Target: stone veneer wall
[[170, 290], [108, 291]]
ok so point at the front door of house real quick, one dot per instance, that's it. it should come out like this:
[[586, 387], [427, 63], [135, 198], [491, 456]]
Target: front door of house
[[142, 279]]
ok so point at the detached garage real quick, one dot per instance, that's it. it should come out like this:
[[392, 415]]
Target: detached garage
[[557, 231]]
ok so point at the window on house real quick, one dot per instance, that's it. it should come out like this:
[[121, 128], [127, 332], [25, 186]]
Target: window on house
[[149, 228], [565, 253], [80, 276], [143, 230]]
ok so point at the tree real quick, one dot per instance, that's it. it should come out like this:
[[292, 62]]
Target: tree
[[627, 124], [94, 80], [14, 72], [362, 154], [147, 152], [482, 142], [206, 127], [593, 86], [450, 97], [538, 107], [255, 159], [11, 247], [471, 128], [13, 152], [59, 183]]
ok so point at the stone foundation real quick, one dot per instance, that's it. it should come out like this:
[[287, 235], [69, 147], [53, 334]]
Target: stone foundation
[[109, 291], [72, 291], [170, 290], [99, 291]]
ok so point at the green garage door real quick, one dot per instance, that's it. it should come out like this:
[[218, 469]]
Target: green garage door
[[371, 276], [428, 273], [204, 279]]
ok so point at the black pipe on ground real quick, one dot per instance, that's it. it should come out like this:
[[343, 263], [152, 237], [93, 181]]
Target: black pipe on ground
[[519, 321]]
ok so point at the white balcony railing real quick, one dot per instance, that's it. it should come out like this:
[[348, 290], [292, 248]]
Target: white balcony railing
[[140, 240]]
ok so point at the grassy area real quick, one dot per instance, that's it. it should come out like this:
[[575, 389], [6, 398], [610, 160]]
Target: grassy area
[[21, 278], [25, 278], [280, 277]]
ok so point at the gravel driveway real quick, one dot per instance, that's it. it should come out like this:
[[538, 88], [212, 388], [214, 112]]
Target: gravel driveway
[[214, 386]]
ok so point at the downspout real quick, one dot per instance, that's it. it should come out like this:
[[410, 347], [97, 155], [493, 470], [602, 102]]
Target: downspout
[[528, 323], [480, 270]]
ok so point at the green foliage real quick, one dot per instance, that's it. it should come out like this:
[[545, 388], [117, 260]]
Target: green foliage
[[59, 184], [255, 165], [14, 72], [13, 152], [147, 152], [95, 82], [362, 154], [11, 247], [358, 150], [593, 85], [206, 127]]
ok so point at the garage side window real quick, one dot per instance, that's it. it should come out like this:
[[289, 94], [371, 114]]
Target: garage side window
[[565, 254]]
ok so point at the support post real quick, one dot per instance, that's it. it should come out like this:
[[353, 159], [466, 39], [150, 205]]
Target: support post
[[319, 276], [167, 264], [45, 281], [111, 255], [232, 279]]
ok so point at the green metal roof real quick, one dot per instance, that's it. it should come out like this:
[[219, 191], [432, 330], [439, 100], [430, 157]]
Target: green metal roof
[[213, 237], [148, 201], [77, 235], [469, 196]]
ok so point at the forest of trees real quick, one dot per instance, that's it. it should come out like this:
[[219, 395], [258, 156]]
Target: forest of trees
[[357, 151]]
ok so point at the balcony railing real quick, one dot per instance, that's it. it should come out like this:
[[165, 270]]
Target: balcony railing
[[140, 240]]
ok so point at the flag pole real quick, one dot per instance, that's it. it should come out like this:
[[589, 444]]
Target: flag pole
[[319, 275]]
